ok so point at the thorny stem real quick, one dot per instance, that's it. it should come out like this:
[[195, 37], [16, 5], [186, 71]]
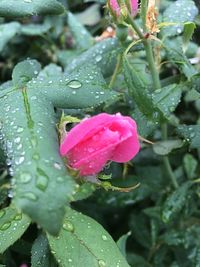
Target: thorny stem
[[155, 78]]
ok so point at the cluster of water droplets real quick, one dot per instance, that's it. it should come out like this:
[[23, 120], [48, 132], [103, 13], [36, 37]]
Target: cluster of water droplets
[[10, 225], [182, 12]]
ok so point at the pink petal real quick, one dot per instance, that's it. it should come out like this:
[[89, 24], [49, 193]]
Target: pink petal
[[93, 164], [93, 145], [130, 146], [115, 6], [88, 126], [134, 7]]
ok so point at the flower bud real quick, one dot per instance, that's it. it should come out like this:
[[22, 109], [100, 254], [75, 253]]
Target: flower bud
[[120, 8]]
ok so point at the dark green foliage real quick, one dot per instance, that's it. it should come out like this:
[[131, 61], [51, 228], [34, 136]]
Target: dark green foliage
[[53, 62]]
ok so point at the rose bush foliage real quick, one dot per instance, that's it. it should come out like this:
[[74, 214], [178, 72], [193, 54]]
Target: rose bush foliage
[[75, 80]]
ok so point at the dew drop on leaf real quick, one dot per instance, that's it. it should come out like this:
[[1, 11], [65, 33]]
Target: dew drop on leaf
[[102, 263], [74, 84], [30, 196], [2, 213], [25, 177], [68, 226], [98, 58], [5, 226], [42, 182], [104, 237], [18, 217]]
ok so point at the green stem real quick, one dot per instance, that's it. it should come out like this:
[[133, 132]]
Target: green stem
[[130, 21], [114, 76], [166, 161], [143, 8], [156, 82], [152, 66], [149, 53]]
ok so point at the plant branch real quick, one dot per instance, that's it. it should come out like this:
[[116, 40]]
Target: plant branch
[[155, 78]]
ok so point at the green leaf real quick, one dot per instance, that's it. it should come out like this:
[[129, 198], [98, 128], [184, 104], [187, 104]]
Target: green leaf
[[188, 31], [7, 32], [144, 124], [191, 134], [84, 191], [166, 147], [40, 253], [103, 54], [122, 243], [174, 238], [83, 38], [65, 57], [39, 172], [167, 99], [178, 12], [176, 56], [84, 87], [35, 29], [137, 261], [190, 165], [25, 71], [138, 89], [140, 229], [12, 226], [175, 202], [21, 8], [83, 242]]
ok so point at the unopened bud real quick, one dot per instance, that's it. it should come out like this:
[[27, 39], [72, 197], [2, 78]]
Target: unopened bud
[[120, 8]]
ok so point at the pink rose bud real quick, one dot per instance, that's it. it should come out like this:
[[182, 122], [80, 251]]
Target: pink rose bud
[[119, 8], [24, 265], [99, 139]]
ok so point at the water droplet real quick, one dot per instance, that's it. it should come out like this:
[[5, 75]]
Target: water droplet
[[17, 140], [57, 166], [104, 237], [19, 160], [60, 179], [74, 84], [33, 97], [42, 182], [36, 156], [25, 177], [30, 196], [18, 217], [98, 58], [69, 260], [102, 263], [5, 226], [2, 212], [20, 130], [68, 226], [34, 142]]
